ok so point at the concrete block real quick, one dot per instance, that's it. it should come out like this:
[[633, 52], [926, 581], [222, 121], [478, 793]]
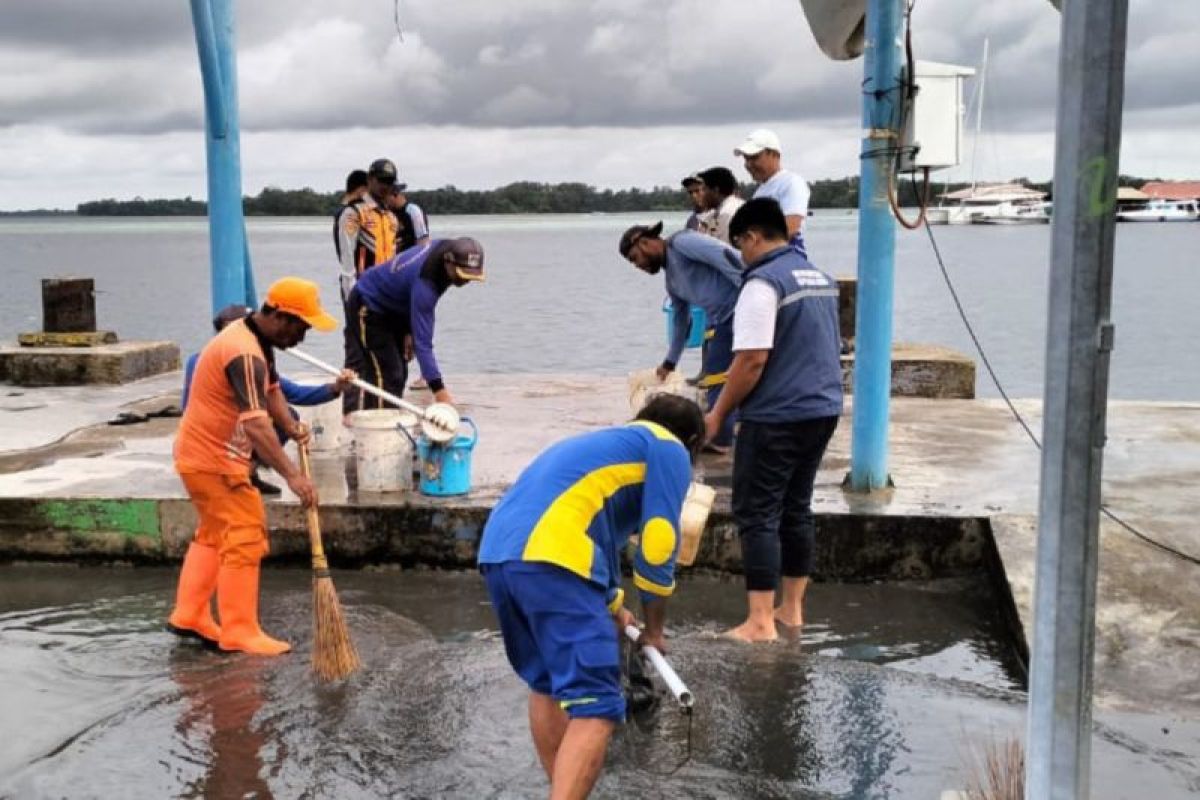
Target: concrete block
[[923, 370], [75, 366], [847, 306], [80, 529], [68, 305]]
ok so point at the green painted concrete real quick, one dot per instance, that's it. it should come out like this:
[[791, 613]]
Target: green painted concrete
[[127, 516]]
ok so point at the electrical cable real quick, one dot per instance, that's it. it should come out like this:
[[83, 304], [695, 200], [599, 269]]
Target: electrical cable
[[894, 199], [1017, 414], [909, 89], [687, 753], [630, 671]]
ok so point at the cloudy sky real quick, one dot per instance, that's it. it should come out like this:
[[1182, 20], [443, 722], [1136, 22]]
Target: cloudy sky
[[102, 99]]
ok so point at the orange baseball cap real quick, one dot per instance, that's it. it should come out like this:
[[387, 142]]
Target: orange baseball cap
[[300, 298]]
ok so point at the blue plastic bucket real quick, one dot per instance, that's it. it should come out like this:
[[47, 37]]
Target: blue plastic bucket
[[446, 467], [699, 323]]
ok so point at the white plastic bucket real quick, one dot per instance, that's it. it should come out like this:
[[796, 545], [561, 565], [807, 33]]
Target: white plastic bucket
[[325, 422], [383, 455], [696, 507]]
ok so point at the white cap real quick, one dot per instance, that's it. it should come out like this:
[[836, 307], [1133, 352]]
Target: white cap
[[757, 141]]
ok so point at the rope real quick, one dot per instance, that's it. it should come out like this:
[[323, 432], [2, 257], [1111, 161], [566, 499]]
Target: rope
[[1166, 548]]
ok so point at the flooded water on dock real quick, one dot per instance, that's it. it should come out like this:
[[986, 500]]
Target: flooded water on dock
[[887, 695]]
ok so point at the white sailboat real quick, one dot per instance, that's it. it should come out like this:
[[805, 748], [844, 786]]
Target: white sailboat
[[955, 212], [995, 204], [999, 203]]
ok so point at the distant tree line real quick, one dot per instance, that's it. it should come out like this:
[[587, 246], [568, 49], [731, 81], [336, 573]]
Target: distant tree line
[[524, 197]]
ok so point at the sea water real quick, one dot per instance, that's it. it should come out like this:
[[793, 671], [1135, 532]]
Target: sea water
[[559, 298]]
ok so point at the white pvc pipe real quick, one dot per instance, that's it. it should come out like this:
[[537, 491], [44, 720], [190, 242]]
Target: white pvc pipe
[[359, 382], [665, 671]]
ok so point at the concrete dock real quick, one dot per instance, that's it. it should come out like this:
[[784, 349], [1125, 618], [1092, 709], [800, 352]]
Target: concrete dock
[[965, 501]]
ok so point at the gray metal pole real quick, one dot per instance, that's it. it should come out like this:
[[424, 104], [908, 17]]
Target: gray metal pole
[[1079, 339]]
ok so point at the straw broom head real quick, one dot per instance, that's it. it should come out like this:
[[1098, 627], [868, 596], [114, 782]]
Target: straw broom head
[[334, 656]]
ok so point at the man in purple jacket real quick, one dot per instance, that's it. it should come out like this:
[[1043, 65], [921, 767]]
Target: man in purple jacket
[[391, 313]]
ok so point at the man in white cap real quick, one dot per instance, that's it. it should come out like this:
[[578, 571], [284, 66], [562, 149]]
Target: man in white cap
[[761, 155]]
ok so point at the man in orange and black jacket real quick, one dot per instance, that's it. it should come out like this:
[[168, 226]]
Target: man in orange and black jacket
[[365, 234]]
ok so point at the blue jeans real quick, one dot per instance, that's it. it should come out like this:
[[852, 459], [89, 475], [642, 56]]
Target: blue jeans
[[774, 468]]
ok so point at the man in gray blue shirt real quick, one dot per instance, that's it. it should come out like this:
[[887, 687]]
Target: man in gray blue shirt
[[785, 382], [700, 271]]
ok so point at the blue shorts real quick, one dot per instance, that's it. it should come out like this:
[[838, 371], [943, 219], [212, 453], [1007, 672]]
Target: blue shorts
[[559, 636]]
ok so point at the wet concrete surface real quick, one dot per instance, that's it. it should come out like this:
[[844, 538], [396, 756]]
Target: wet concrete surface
[[949, 459], [890, 692]]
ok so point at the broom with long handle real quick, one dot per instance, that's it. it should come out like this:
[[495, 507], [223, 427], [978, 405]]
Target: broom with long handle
[[334, 656]]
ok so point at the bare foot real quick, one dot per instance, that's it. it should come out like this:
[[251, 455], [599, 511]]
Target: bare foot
[[751, 632], [790, 633], [788, 618]]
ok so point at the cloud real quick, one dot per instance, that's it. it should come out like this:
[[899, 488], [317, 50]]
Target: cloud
[[323, 66], [119, 80]]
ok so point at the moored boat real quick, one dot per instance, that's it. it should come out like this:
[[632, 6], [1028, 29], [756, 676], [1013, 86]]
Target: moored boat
[[969, 205], [1159, 210], [1034, 212]]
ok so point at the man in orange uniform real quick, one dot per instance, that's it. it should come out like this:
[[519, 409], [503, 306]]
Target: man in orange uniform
[[234, 400]]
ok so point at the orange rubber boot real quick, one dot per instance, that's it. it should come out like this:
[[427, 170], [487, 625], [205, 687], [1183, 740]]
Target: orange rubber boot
[[192, 616], [237, 601]]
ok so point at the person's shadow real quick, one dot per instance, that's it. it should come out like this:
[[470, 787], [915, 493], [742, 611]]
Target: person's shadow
[[221, 696]]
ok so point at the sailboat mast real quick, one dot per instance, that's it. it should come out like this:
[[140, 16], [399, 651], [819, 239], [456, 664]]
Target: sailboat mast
[[979, 114]]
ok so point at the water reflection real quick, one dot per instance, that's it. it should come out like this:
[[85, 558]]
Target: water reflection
[[217, 722], [791, 722]]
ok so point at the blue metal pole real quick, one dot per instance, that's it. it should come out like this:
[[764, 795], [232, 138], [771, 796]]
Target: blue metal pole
[[882, 97], [232, 282], [251, 295]]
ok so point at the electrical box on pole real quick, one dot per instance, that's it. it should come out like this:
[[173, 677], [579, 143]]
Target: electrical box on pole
[[932, 135]]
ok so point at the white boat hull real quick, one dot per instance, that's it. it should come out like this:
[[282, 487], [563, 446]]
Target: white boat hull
[[1011, 221], [1136, 217], [1158, 210]]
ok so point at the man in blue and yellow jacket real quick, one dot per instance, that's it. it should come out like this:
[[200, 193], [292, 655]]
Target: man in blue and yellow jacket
[[551, 556]]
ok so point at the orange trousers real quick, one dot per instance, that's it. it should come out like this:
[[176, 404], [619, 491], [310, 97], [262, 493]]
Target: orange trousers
[[232, 516]]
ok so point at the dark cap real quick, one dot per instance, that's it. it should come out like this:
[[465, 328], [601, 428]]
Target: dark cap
[[629, 238], [467, 256], [399, 188], [690, 179], [229, 314], [382, 169]]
